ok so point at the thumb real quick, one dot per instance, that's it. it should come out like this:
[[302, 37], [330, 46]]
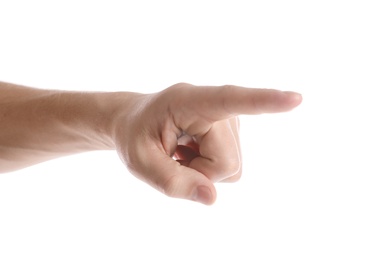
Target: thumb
[[176, 180]]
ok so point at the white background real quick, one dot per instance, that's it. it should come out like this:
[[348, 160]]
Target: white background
[[303, 194]]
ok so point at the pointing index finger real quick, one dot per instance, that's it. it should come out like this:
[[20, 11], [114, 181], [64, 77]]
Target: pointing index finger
[[226, 101]]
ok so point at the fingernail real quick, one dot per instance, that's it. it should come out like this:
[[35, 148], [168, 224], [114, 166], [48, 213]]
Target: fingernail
[[203, 195], [296, 98], [295, 95]]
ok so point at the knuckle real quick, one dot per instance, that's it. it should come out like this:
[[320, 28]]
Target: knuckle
[[234, 167], [170, 185], [228, 169], [174, 94], [236, 176], [178, 86]]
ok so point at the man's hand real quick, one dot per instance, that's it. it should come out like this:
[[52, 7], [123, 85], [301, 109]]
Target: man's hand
[[183, 139], [180, 140]]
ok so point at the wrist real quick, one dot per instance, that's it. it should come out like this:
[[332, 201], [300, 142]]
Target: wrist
[[119, 110]]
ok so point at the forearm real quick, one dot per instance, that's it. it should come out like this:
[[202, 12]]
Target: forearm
[[38, 125]]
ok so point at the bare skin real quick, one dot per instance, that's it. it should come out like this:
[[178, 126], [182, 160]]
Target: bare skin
[[180, 140]]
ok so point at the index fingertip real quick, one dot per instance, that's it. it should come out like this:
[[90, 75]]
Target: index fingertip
[[294, 98]]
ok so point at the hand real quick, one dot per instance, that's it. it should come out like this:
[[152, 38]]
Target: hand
[[185, 138]]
